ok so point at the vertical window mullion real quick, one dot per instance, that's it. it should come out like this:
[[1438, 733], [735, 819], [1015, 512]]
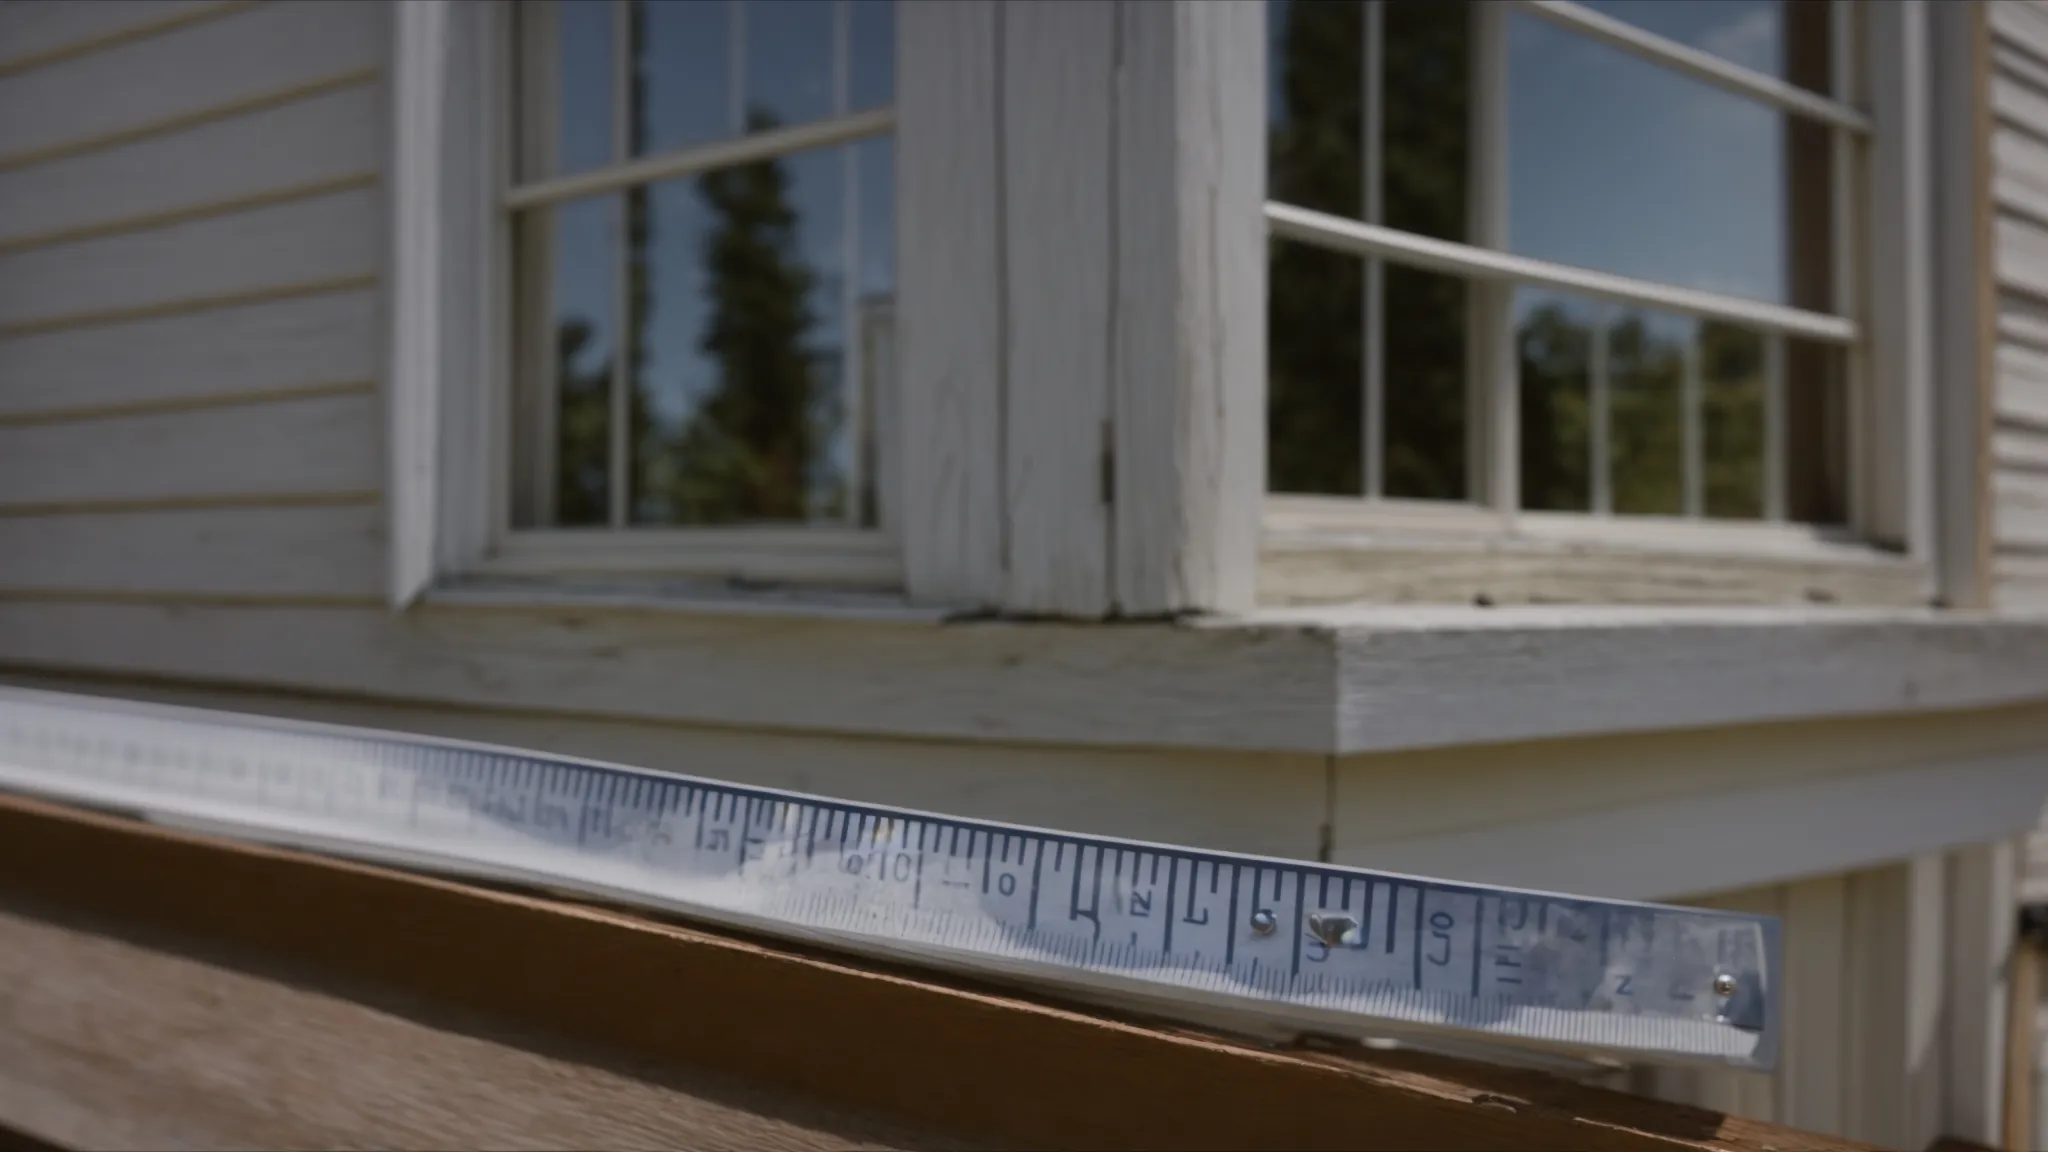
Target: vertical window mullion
[[852, 384], [618, 455], [1494, 410], [1691, 399], [1373, 348], [543, 141], [1850, 212], [1774, 426], [1599, 450]]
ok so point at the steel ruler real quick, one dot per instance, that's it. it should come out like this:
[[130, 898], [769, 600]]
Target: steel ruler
[[1315, 947]]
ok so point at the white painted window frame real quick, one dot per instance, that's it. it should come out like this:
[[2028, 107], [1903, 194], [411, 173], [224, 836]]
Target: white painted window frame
[[1883, 205], [1076, 423]]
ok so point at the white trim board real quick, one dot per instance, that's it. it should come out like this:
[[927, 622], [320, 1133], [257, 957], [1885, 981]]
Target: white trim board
[[1335, 682]]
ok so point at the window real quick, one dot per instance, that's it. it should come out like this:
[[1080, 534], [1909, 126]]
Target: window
[[700, 223], [1597, 260]]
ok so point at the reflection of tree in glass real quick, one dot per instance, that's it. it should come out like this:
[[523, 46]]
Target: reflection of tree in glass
[[1316, 153], [1315, 299], [1647, 429], [1732, 420], [1555, 411], [747, 451], [582, 429]]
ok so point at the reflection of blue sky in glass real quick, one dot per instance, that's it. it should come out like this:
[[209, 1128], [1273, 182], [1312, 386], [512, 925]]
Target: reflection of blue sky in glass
[[785, 67], [1621, 165], [1618, 164]]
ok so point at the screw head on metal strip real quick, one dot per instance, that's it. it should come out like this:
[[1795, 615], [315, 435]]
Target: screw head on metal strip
[[1334, 929], [1724, 984], [1263, 922]]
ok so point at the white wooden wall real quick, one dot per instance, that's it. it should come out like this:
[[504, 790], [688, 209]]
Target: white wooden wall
[[2018, 47], [191, 228]]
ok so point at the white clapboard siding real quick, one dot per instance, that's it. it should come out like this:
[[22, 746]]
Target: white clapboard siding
[[210, 67], [2021, 25], [326, 239], [34, 33], [1059, 71], [326, 552], [300, 145], [2020, 509], [2019, 183], [324, 445], [2022, 384], [314, 341]]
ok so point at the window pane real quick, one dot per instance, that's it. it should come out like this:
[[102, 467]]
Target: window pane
[[682, 78], [1622, 165], [1425, 386], [788, 62], [567, 308], [738, 303], [874, 53], [565, 87], [1554, 335], [1731, 420], [1746, 32], [1646, 358], [1315, 376]]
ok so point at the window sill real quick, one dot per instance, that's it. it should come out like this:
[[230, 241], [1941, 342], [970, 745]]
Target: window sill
[[1331, 551], [1315, 681]]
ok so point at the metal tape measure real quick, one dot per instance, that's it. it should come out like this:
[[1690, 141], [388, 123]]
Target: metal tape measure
[[1312, 946]]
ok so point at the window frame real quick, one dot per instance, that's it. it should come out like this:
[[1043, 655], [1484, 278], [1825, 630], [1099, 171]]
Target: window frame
[[1881, 199], [453, 217]]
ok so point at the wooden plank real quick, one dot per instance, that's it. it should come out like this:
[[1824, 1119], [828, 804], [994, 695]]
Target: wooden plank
[[2019, 104], [2019, 514], [1190, 307], [1058, 70], [272, 346], [328, 238], [499, 957], [319, 446], [36, 33], [209, 68], [1965, 304], [115, 1039], [204, 170], [949, 301], [2020, 171], [323, 552]]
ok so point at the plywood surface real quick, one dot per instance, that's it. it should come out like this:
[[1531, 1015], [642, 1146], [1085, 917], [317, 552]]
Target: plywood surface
[[324, 1003]]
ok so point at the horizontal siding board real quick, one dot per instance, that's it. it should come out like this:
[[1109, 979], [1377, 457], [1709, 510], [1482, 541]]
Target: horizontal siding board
[[2025, 449], [212, 65], [2021, 249], [318, 140], [2022, 384], [32, 30], [2019, 104], [326, 238], [2019, 515], [2023, 320], [2020, 172], [329, 444], [2022, 25], [275, 552], [274, 345]]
